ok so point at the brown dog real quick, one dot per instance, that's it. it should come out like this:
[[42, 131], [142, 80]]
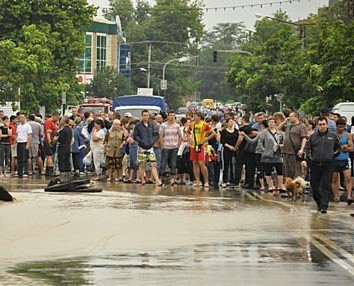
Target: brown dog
[[295, 188]]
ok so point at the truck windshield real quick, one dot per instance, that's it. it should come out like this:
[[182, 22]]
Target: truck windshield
[[92, 109]]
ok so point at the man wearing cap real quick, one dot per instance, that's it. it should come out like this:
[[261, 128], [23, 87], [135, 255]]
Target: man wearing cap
[[127, 118]]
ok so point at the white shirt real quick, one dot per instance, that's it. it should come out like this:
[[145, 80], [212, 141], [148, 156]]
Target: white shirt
[[23, 131], [98, 144]]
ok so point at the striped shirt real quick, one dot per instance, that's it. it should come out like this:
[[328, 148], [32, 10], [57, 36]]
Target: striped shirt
[[170, 135]]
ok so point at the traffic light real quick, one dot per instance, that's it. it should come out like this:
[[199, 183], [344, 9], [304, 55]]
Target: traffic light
[[215, 56]]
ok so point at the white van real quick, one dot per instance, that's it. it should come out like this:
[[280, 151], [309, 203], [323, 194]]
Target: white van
[[345, 109], [136, 110]]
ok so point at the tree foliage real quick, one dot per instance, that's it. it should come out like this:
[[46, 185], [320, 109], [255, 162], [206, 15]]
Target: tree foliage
[[48, 37], [123, 8], [109, 84], [319, 75], [174, 29], [211, 75]]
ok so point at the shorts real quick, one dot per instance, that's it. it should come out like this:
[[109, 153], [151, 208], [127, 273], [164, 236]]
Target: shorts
[[49, 149], [340, 165], [14, 151], [269, 167], [33, 151], [145, 156], [197, 156], [114, 163]]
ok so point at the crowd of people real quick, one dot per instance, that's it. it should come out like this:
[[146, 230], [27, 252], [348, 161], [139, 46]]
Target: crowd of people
[[221, 150]]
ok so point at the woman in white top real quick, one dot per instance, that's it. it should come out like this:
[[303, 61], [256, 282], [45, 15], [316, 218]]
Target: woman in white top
[[97, 147]]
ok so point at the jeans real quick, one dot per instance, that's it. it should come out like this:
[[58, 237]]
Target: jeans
[[22, 158], [168, 156], [78, 159], [321, 184], [228, 172], [157, 151], [5, 152]]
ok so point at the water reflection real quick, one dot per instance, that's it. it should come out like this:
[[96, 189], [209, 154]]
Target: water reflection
[[256, 259], [131, 235]]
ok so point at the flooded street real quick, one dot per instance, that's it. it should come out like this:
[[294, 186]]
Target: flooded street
[[133, 235]]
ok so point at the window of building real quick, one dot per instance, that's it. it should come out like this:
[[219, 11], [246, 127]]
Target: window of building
[[101, 52], [85, 59]]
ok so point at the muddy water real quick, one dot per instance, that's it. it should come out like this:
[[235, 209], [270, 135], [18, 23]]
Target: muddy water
[[130, 235]]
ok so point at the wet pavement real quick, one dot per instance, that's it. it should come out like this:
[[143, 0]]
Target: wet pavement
[[132, 235]]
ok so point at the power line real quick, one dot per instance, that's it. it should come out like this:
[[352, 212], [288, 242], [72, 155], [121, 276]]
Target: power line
[[225, 8], [254, 5]]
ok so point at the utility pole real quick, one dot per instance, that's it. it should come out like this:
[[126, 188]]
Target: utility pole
[[149, 66], [150, 42]]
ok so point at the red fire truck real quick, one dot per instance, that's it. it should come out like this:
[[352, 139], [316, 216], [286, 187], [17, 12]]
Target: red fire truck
[[95, 104]]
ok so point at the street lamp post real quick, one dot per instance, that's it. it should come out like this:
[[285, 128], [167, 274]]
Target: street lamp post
[[300, 26], [183, 59], [150, 42]]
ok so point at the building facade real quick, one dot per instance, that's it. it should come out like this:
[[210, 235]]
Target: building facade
[[103, 40]]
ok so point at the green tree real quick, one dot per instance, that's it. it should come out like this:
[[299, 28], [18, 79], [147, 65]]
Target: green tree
[[108, 83], [61, 23], [275, 67], [26, 65], [173, 29], [330, 64], [211, 75], [122, 8], [319, 75]]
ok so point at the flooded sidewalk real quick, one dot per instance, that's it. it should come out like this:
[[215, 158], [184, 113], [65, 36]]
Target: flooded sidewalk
[[133, 235]]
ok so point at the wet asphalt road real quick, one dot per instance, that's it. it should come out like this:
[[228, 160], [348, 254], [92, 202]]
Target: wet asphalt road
[[143, 235]]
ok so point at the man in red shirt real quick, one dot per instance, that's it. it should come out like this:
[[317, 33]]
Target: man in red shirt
[[50, 131]]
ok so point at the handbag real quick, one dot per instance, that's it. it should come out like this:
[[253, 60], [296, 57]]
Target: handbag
[[88, 159], [276, 148]]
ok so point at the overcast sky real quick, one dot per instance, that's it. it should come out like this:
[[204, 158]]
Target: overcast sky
[[296, 10]]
